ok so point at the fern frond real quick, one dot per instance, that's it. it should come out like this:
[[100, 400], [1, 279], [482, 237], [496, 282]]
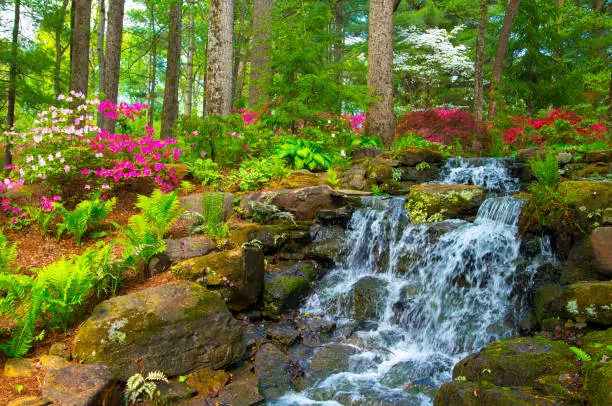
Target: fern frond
[[157, 376]]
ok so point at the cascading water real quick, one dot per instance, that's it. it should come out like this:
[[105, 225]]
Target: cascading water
[[417, 298], [491, 173]]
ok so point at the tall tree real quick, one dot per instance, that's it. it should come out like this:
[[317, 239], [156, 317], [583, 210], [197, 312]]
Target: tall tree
[[479, 65], [260, 56], [171, 107], [12, 89], [500, 54], [381, 121], [219, 58], [112, 58], [100, 42], [79, 71], [152, 66], [56, 20], [190, 76]]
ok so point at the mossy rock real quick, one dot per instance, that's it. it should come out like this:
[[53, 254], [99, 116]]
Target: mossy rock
[[274, 373], [580, 264], [378, 171], [604, 155], [237, 275], [300, 179], [591, 301], [208, 382], [463, 393], [176, 328], [274, 238], [414, 156], [436, 202], [598, 384], [368, 294], [286, 288], [598, 344], [580, 171], [591, 194], [518, 362]]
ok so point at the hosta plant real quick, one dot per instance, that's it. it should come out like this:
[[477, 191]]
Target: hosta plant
[[303, 154]]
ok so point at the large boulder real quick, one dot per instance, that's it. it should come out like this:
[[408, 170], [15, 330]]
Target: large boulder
[[193, 203], [584, 302], [591, 194], [287, 238], [518, 362], [328, 360], [286, 287], [175, 328], [237, 275], [435, 202], [189, 247], [601, 243], [414, 156], [81, 385], [303, 203], [368, 295], [301, 179], [274, 373], [463, 393]]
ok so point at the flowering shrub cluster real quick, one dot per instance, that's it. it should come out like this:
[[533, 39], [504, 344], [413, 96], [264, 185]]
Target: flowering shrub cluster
[[356, 122], [559, 127], [447, 127]]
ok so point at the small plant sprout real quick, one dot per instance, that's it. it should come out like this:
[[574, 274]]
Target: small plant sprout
[[581, 355], [138, 385]]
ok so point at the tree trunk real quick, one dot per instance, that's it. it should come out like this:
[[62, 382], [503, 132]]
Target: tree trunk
[[100, 43], [260, 54], [339, 33], [12, 89], [152, 69], [59, 51], [112, 57], [170, 108], [190, 56], [381, 121], [219, 58], [479, 66], [242, 68], [500, 54], [79, 73], [240, 43]]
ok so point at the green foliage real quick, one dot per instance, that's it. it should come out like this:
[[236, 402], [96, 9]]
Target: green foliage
[[421, 166], [377, 192], [44, 218], [211, 219], [87, 214], [581, 355], [160, 210], [332, 177], [187, 186], [206, 171], [255, 172], [302, 153], [8, 253], [138, 385], [367, 142], [546, 170], [410, 141]]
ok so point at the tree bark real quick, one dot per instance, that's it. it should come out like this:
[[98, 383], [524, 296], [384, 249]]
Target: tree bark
[[381, 121], [479, 66], [12, 89], [59, 50], [190, 56], [260, 54], [170, 108], [152, 69], [219, 58], [112, 57], [240, 42], [79, 73], [100, 43], [500, 54]]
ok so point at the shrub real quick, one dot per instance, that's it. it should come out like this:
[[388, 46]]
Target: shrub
[[205, 170], [255, 172], [449, 127], [88, 213], [546, 170]]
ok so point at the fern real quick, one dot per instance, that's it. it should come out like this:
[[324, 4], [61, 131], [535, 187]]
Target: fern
[[44, 218], [581, 355], [88, 213], [546, 170], [8, 253], [138, 385], [160, 210]]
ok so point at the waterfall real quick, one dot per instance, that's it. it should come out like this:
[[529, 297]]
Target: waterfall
[[494, 174], [417, 298]]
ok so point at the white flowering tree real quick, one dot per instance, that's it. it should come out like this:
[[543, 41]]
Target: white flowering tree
[[428, 60]]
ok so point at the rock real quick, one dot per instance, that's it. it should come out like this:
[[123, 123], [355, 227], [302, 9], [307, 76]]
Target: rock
[[584, 302], [282, 334], [598, 156], [18, 368], [435, 202], [365, 152], [462, 393], [181, 171], [287, 287], [303, 203], [274, 373], [53, 362], [237, 275], [582, 171], [29, 401], [580, 264], [242, 390], [179, 321], [414, 156], [528, 154], [353, 178], [193, 203], [598, 384], [91, 385], [591, 194], [421, 175], [396, 188], [300, 179], [189, 247], [598, 344], [378, 171], [564, 158], [334, 217], [368, 293], [208, 382], [601, 243], [328, 243], [518, 361], [174, 392], [274, 237], [60, 350], [328, 360], [606, 218]]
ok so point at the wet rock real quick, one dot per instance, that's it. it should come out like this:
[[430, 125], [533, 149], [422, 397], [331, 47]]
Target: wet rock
[[29, 401], [193, 203], [601, 243], [591, 194], [242, 390], [328, 360], [584, 302], [598, 156], [274, 238], [334, 217], [421, 175], [368, 294], [282, 334], [435, 202], [208, 382], [300, 179], [303, 203], [328, 243], [179, 321], [175, 392], [60, 350], [286, 288], [237, 275], [365, 152], [91, 384], [274, 373], [518, 362], [396, 188], [414, 156], [461, 393], [189, 247]]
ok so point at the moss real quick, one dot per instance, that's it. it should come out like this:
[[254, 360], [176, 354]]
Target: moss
[[591, 194], [285, 292], [598, 344], [590, 300], [547, 302], [464, 393], [598, 384], [430, 202]]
